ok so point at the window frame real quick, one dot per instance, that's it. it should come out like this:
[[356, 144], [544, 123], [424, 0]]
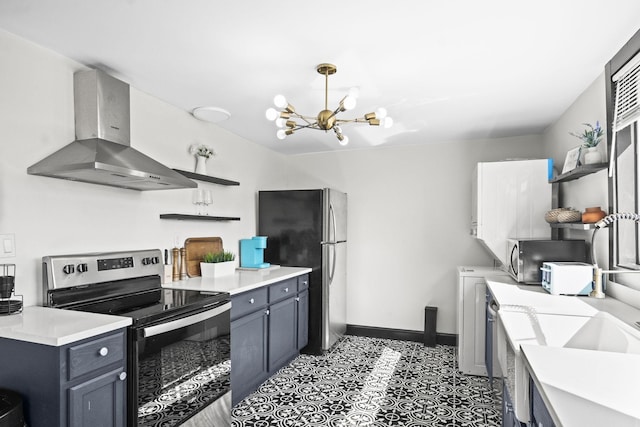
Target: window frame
[[624, 56]]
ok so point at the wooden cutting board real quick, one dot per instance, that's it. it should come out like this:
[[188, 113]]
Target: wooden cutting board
[[196, 248]]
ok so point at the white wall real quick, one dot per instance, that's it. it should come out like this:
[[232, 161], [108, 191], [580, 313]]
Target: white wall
[[409, 207], [409, 220], [591, 190], [52, 216]]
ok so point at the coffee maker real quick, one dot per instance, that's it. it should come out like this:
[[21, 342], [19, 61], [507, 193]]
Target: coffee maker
[[252, 252]]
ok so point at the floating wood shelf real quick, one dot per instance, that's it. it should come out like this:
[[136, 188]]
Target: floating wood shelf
[[579, 172], [183, 217], [573, 225], [207, 178]]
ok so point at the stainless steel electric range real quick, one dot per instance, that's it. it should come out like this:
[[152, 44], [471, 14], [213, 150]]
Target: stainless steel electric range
[[178, 355]]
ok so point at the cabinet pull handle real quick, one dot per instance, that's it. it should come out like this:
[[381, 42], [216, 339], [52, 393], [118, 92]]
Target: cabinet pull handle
[[251, 301], [122, 376], [266, 312], [298, 299], [103, 351], [286, 289]]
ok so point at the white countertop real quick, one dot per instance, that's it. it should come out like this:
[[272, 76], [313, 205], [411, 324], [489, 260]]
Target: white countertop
[[587, 388], [582, 386], [241, 281], [56, 327]]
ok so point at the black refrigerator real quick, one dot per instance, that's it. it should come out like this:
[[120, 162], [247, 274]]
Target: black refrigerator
[[308, 228]]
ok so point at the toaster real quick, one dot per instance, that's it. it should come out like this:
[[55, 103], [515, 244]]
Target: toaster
[[567, 278]]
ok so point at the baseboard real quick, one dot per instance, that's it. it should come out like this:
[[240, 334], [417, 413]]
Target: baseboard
[[399, 334]]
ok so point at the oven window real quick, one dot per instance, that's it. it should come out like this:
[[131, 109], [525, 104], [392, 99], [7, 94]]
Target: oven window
[[180, 372]]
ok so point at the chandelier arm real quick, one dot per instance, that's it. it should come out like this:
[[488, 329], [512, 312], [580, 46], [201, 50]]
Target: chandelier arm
[[357, 120], [308, 119], [309, 126]]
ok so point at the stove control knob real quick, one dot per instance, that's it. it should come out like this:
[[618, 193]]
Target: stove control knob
[[83, 268], [150, 260], [68, 269]]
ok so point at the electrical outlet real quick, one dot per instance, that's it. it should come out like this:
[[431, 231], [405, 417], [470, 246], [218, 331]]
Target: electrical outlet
[[7, 245]]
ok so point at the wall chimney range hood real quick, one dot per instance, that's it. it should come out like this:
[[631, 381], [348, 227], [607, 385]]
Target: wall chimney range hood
[[102, 153]]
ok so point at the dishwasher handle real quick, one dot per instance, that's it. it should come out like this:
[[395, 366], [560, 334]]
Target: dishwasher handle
[[492, 309]]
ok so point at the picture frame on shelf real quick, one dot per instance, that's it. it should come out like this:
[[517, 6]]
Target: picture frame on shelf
[[572, 160]]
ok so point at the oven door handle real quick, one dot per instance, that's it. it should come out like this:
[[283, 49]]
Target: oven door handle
[[185, 321]]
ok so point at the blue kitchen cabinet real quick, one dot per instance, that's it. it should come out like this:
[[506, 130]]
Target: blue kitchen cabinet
[[540, 416], [98, 401], [508, 416], [283, 334], [269, 326], [303, 311], [303, 319], [248, 353], [76, 385]]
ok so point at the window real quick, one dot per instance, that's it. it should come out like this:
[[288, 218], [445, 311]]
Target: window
[[623, 113]]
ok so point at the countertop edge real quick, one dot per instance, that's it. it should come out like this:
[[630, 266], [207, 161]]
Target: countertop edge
[[240, 282], [21, 326], [516, 295], [271, 281]]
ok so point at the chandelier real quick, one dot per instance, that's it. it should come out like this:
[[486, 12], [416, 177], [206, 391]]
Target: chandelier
[[290, 121]]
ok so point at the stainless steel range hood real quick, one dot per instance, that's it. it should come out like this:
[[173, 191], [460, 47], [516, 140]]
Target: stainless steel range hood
[[101, 153]]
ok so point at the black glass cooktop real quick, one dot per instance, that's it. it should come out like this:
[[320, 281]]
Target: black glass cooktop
[[145, 306], [175, 303]]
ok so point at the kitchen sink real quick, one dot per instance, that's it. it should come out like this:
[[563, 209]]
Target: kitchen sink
[[525, 325], [603, 332]]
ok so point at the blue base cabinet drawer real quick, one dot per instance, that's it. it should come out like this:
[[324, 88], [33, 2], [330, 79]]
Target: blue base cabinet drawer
[[248, 302], [96, 354], [282, 290]]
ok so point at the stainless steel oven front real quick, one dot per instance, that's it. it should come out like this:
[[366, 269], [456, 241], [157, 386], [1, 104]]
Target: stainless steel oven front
[[182, 370], [178, 353]]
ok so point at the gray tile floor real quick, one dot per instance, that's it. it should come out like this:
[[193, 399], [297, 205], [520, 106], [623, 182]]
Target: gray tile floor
[[372, 382]]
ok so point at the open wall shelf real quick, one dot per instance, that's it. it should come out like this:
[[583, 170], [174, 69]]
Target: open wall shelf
[[578, 172], [573, 225], [206, 178], [183, 217]]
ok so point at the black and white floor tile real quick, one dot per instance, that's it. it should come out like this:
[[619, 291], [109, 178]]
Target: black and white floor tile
[[372, 382]]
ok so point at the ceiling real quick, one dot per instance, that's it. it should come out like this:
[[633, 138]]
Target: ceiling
[[444, 70]]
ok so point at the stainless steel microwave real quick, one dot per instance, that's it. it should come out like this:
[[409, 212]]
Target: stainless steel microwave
[[525, 256]]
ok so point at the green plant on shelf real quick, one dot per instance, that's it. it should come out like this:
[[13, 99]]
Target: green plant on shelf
[[590, 137], [222, 256]]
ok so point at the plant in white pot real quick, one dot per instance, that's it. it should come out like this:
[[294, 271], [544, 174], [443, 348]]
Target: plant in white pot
[[218, 264], [590, 139], [202, 153]]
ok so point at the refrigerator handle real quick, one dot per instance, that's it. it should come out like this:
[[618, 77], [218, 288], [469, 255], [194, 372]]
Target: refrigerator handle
[[335, 235]]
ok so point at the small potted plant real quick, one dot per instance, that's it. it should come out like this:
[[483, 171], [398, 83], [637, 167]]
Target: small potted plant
[[202, 153], [590, 138], [216, 264]]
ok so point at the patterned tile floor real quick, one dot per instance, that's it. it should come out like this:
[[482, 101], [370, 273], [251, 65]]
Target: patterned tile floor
[[372, 382]]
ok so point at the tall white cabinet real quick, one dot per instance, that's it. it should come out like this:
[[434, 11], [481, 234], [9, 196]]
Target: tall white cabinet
[[471, 295], [509, 200]]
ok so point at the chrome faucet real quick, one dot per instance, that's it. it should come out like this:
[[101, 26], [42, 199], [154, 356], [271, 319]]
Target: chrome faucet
[[597, 291]]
